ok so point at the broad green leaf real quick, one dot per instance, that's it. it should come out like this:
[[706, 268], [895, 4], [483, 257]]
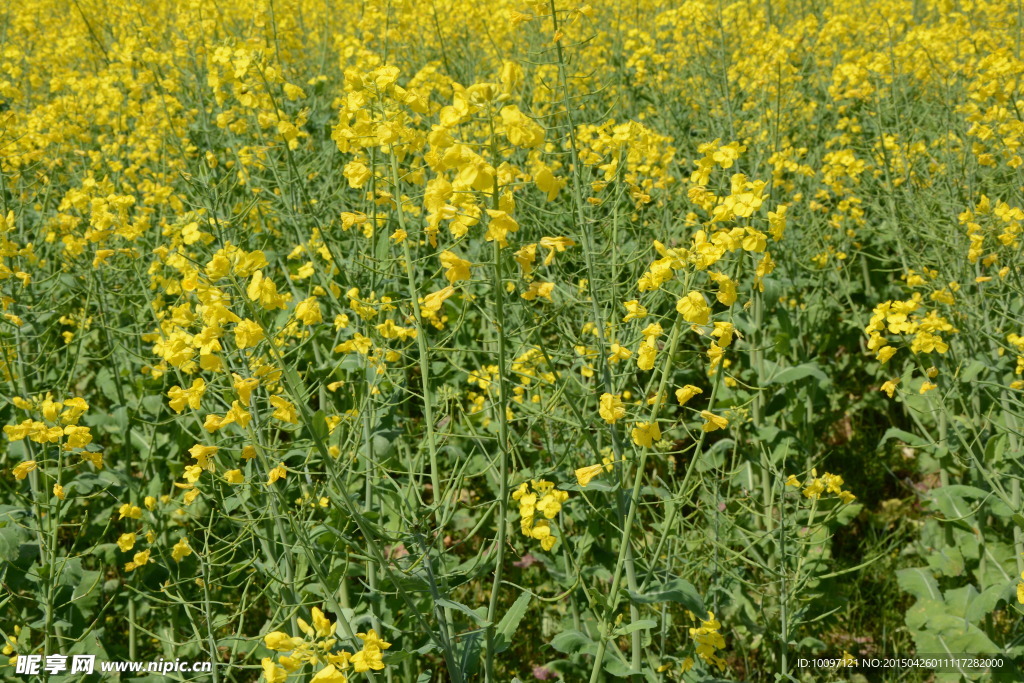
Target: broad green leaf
[[799, 372], [919, 582], [676, 590], [570, 641], [509, 623], [985, 602]]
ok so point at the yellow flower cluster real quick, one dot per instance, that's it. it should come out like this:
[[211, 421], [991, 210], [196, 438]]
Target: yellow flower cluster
[[316, 649], [543, 498], [59, 425], [709, 640], [903, 318], [830, 483]]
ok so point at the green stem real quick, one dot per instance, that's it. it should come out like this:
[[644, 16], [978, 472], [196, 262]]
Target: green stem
[[503, 449], [631, 508]]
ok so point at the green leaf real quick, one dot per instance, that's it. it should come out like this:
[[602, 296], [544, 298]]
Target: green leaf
[[319, 426], [570, 642], [847, 513], [995, 448], [958, 599], [919, 582], [799, 372], [920, 612], [809, 644], [69, 571], [676, 590], [948, 561], [959, 636], [904, 436], [971, 372], [641, 625], [10, 542], [984, 604], [471, 648], [617, 668], [451, 604], [509, 623], [954, 508]]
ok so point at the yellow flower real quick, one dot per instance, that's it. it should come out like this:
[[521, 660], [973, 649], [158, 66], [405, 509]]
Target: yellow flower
[[525, 257], [329, 674], [694, 308], [890, 386], [126, 542], [358, 343], [281, 642], [611, 408], [21, 470], [539, 289], [686, 393], [646, 355], [712, 421], [324, 627], [248, 333], [272, 672], [192, 473], [264, 290], [545, 179], [51, 409], [885, 353], [234, 477], [709, 640], [432, 302], [815, 488], [73, 409], [77, 437], [553, 245], [926, 387], [190, 397], [139, 560], [285, 411], [181, 549], [278, 472], [130, 511], [371, 656], [520, 130], [202, 455], [238, 415], [455, 268], [585, 474], [645, 434], [308, 311], [498, 228], [214, 422], [58, 491], [634, 311]]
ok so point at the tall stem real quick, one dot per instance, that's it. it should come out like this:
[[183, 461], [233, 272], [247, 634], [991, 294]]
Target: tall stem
[[631, 507], [499, 312]]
